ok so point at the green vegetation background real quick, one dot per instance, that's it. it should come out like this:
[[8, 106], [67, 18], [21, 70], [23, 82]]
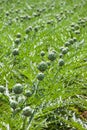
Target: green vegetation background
[[60, 99]]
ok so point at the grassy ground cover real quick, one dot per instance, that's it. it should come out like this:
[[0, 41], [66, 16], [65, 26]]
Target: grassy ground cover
[[43, 65]]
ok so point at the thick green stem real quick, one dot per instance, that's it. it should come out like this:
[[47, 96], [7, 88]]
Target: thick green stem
[[24, 123]]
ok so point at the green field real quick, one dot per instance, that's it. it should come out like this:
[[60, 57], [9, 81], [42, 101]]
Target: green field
[[43, 64]]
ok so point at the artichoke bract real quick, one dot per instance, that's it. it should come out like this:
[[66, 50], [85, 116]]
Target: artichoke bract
[[52, 56], [13, 104], [15, 52], [40, 76], [2, 89], [18, 35], [64, 50], [61, 62], [18, 88], [42, 66], [28, 93], [42, 53], [17, 41], [27, 111]]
